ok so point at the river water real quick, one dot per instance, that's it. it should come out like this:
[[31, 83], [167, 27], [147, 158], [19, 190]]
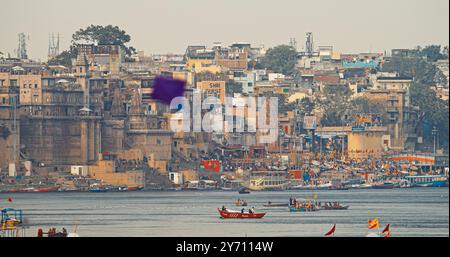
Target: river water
[[411, 212]]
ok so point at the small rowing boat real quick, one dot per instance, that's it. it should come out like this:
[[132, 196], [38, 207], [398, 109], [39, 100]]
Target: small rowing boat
[[334, 207], [270, 204], [244, 191], [229, 214], [240, 202]]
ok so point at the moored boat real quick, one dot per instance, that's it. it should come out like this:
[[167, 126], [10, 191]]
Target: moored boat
[[34, 190], [229, 214], [426, 181], [46, 189], [244, 191], [385, 185]]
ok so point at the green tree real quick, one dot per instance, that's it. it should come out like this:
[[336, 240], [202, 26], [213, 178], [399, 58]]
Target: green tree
[[64, 58], [432, 52], [306, 106], [280, 59], [94, 34], [421, 70], [336, 105], [109, 35], [432, 110]]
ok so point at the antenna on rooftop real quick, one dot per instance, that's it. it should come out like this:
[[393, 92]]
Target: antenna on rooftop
[[22, 48], [309, 44], [293, 43], [53, 46]]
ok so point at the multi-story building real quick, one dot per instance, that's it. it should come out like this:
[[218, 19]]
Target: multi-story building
[[399, 114]]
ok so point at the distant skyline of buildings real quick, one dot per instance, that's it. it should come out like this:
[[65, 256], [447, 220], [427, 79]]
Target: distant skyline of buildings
[[351, 26]]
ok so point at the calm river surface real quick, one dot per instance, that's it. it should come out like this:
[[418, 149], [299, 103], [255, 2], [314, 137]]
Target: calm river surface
[[411, 212]]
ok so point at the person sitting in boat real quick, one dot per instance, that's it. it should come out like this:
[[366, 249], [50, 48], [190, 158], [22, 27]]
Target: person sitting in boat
[[242, 210], [250, 211], [224, 208]]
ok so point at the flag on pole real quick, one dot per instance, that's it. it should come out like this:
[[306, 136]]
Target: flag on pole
[[375, 223], [386, 229], [332, 230]]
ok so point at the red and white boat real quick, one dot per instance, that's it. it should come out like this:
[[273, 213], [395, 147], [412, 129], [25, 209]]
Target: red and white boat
[[228, 214]]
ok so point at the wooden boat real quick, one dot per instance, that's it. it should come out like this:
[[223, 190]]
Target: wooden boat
[[270, 204], [98, 190], [34, 190], [244, 191], [240, 202], [337, 207], [46, 189], [302, 208], [227, 214], [384, 185]]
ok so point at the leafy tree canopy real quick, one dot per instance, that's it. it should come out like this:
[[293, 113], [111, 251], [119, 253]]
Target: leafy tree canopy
[[109, 35], [432, 110], [335, 102], [433, 52], [280, 59], [94, 34]]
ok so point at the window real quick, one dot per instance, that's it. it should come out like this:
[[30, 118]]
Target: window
[[35, 85]]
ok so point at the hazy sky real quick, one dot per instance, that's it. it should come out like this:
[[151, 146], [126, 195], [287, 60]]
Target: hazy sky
[[168, 26]]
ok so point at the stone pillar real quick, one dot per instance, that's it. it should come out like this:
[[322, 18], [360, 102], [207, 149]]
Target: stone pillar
[[91, 141], [84, 135]]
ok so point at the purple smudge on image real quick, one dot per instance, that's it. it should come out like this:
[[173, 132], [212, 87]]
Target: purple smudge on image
[[166, 89]]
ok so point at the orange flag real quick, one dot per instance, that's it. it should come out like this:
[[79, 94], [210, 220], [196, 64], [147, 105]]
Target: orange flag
[[375, 223], [386, 229], [332, 230]]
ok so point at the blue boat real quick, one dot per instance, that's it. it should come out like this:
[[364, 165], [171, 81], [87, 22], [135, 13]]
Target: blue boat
[[98, 190], [10, 216], [426, 181]]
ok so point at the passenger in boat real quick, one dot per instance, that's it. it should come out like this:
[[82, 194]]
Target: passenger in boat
[[64, 232], [250, 211], [224, 208], [242, 210]]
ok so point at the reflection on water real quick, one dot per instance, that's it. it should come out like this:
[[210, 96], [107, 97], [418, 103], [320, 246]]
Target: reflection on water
[[411, 212]]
